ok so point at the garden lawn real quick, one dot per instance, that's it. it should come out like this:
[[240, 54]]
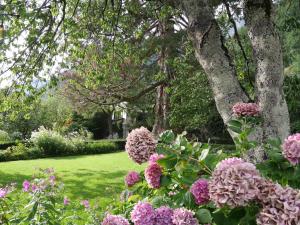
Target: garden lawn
[[99, 178]]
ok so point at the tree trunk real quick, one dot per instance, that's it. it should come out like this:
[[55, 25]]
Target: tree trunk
[[213, 57], [215, 60], [269, 68], [161, 112], [162, 103], [110, 124]]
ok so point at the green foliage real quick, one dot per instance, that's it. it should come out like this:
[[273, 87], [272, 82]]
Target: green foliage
[[20, 152], [287, 20], [4, 136], [192, 107], [97, 147], [52, 143], [292, 95]]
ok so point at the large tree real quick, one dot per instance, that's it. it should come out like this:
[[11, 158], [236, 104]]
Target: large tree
[[61, 25]]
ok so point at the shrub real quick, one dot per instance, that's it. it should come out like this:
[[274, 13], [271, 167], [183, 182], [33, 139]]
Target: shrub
[[98, 147], [4, 136], [52, 143], [20, 152]]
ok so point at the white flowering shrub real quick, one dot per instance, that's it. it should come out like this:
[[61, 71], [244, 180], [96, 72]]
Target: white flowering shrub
[[52, 142]]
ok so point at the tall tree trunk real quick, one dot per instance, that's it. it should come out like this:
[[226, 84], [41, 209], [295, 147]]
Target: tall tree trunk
[[215, 60], [161, 110], [269, 65], [110, 123], [162, 103], [213, 57]]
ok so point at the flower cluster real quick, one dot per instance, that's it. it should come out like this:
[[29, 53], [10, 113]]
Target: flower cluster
[[291, 148], [85, 203], [140, 145], [245, 109], [164, 216], [132, 178], [234, 183], [153, 158], [200, 191], [152, 175], [4, 191], [114, 220], [280, 205], [184, 216], [143, 214]]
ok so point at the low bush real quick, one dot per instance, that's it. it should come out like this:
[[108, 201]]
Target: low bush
[[52, 143], [98, 147], [28, 150], [4, 137], [20, 151]]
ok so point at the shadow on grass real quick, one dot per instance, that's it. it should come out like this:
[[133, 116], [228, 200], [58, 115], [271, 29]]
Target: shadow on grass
[[95, 184], [80, 184], [81, 156], [7, 178]]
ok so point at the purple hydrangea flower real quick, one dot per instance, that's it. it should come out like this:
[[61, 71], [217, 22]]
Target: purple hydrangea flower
[[114, 220], [143, 214], [234, 182], [132, 178], [291, 148], [183, 216], [26, 185], [140, 145], [164, 216], [200, 191], [153, 174], [246, 109]]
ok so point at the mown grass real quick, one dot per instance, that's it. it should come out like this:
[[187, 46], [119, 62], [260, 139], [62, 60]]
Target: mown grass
[[99, 178]]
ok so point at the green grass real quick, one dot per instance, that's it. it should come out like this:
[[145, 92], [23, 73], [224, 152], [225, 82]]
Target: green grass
[[96, 177]]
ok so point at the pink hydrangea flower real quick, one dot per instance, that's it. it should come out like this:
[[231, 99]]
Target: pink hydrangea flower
[[114, 220], [281, 205], [200, 191], [153, 174], [164, 216], [291, 148], [143, 214], [132, 178], [3, 192], [246, 109], [85, 203], [234, 182], [140, 145], [66, 201], [26, 186], [184, 216], [154, 157]]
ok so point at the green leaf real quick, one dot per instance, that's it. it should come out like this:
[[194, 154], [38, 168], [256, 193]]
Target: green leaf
[[167, 137], [204, 216], [235, 123], [204, 154], [168, 162], [235, 129]]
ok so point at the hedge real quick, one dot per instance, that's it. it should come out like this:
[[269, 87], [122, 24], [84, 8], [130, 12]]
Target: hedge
[[26, 150]]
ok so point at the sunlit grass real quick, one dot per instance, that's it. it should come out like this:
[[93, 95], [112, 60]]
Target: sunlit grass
[[98, 178]]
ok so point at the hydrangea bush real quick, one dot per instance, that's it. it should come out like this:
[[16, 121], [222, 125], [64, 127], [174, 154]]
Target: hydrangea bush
[[184, 183]]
